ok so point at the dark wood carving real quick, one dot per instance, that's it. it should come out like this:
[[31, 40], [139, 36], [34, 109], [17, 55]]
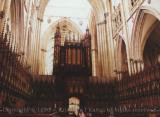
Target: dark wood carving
[[73, 57]]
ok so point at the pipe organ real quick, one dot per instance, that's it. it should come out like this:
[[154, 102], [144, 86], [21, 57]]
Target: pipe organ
[[73, 56]]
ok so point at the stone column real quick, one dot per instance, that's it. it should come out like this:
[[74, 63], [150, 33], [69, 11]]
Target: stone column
[[142, 65], [94, 51], [110, 43], [136, 66], [38, 42], [101, 49], [126, 32], [107, 65], [99, 52], [139, 65], [132, 67], [94, 56]]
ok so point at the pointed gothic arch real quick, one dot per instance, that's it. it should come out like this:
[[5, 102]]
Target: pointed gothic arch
[[121, 57], [99, 6], [143, 26]]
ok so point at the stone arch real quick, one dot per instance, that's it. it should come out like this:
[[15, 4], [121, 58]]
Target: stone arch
[[151, 47], [121, 56], [52, 27], [143, 25], [98, 6], [48, 34]]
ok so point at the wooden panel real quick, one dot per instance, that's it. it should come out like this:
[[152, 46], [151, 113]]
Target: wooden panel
[[62, 54], [66, 55], [73, 56], [69, 56], [78, 56]]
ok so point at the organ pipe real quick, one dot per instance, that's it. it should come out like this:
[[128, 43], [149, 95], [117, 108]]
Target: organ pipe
[[74, 53]]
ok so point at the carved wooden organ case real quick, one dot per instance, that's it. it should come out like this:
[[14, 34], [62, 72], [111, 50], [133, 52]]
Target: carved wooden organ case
[[72, 57]]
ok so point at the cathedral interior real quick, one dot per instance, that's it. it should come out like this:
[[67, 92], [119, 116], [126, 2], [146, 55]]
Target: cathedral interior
[[79, 58]]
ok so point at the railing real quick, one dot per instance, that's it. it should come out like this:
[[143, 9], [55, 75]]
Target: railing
[[140, 91]]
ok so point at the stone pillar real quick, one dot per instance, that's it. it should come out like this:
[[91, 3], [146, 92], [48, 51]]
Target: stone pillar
[[132, 66], [119, 75], [136, 66], [93, 53], [142, 65], [104, 52], [139, 65], [102, 49], [38, 43], [110, 43], [126, 34], [106, 48], [99, 52]]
